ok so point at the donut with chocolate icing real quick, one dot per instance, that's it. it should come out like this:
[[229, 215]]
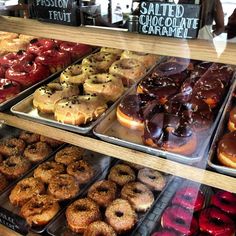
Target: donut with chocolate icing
[[232, 120]]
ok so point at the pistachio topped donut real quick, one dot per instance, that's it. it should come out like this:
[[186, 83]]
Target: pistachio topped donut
[[107, 85], [45, 97], [78, 110]]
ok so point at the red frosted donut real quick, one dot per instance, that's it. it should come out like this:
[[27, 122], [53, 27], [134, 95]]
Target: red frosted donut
[[180, 220], [2, 72], [190, 198], [216, 222], [165, 232], [27, 74], [225, 201]]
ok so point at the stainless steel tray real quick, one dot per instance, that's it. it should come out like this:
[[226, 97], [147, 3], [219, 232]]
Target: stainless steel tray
[[10, 215], [221, 130]]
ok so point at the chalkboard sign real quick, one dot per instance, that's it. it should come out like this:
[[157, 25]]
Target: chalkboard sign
[[56, 11], [169, 19]]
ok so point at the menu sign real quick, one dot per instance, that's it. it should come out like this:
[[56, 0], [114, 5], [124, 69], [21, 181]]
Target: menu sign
[[169, 19]]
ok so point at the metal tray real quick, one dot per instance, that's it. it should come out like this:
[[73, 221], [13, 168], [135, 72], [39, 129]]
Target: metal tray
[[221, 130], [10, 215], [59, 226]]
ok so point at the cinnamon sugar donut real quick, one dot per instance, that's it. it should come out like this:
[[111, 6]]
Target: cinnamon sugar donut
[[47, 170], [52, 142], [29, 137], [63, 187], [25, 190], [99, 228], [121, 174], [37, 151], [3, 182], [81, 170], [103, 192], [12, 146], [39, 210], [14, 166], [81, 213], [69, 154]]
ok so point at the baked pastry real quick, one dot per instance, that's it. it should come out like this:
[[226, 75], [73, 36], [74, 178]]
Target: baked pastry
[[50, 141], [99, 228], [12, 146], [29, 137]]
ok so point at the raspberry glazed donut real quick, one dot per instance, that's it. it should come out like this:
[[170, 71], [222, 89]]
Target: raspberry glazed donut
[[147, 59], [103, 192], [180, 220], [79, 110], [45, 97], [81, 170], [63, 187], [121, 216], [121, 174], [215, 222], [189, 197], [47, 170], [69, 154], [154, 179], [36, 152], [14, 166], [107, 85], [99, 228], [226, 150], [165, 232], [81, 213], [130, 70], [29, 137], [50, 141], [139, 196], [12, 146], [232, 120], [25, 189], [225, 201], [3, 182], [39, 210]]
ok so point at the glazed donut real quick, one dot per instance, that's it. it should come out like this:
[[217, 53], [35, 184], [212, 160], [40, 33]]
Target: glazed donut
[[29, 137], [99, 228], [154, 179], [81, 170], [232, 120], [63, 187], [121, 216], [3, 182], [76, 74], [52, 142], [216, 222], [111, 50], [37, 46], [47, 170], [165, 232], [24, 190], [139, 196], [100, 61], [107, 85], [81, 213], [79, 110], [131, 70], [103, 192], [12, 45], [37, 151], [69, 154], [14, 166], [12, 146], [45, 97], [189, 197], [225, 201], [26, 38], [226, 150], [148, 60], [39, 210], [121, 174], [179, 219]]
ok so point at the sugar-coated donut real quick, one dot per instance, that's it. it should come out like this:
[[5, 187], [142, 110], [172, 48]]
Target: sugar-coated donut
[[25, 189], [50, 141], [99, 228], [39, 210], [12, 146], [79, 110], [29, 137], [81, 213], [232, 120]]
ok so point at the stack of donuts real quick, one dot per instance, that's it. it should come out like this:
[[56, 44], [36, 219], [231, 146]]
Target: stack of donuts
[[18, 154], [112, 205], [35, 62], [187, 214], [85, 90], [175, 105], [53, 182]]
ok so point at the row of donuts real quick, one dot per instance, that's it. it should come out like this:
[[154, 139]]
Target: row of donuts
[[18, 154], [176, 104], [51, 183], [188, 215], [39, 59], [84, 90], [113, 204]]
